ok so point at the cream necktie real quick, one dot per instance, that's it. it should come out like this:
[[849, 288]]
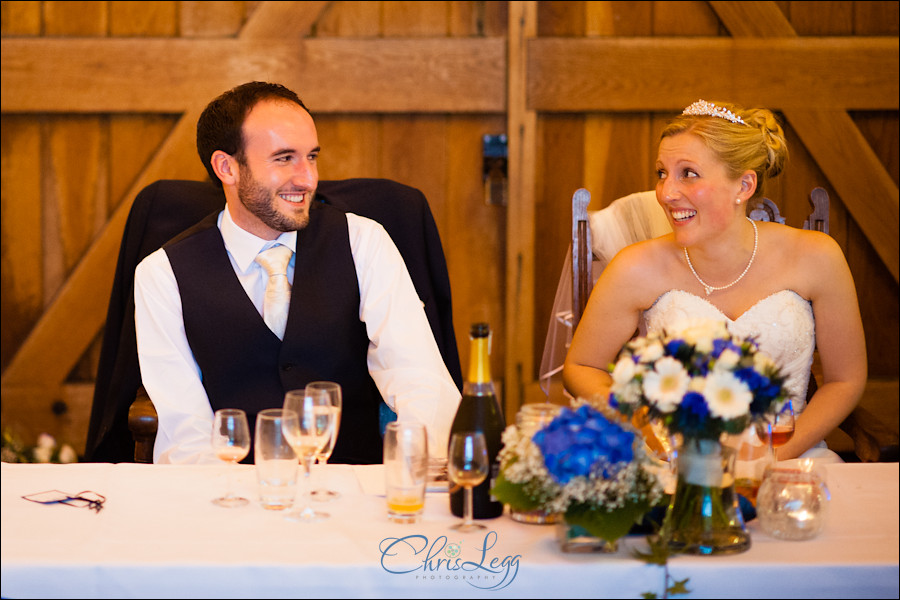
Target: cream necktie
[[278, 289]]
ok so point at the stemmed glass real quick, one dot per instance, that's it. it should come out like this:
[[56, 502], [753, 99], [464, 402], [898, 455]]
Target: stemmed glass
[[231, 443], [307, 426], [783, 426], [323, 494], [467, 465], [779, 429]]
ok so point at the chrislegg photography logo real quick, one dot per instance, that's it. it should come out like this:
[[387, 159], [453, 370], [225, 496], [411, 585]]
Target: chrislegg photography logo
[[470, 559]]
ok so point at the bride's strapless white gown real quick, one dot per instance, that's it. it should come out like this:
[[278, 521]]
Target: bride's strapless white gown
[[782, 324]]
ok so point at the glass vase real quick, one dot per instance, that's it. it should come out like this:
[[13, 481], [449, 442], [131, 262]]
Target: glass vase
[[703, 515], [575, 538]]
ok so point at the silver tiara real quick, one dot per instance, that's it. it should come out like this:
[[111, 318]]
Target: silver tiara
[[702, 108]]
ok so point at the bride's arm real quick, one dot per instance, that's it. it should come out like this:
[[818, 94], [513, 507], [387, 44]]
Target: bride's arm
[[610, 319], [839, 339]]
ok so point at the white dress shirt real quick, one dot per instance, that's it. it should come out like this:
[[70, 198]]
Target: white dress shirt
[[403, 358]]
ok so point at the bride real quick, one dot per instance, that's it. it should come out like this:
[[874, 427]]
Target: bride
[[790, 288]]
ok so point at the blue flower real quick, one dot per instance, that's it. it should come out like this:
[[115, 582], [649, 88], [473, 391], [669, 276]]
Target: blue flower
[[678, 348], [582, 443], [694, 413]]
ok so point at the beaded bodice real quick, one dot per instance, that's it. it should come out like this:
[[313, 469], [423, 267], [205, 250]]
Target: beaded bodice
[[782, 323]]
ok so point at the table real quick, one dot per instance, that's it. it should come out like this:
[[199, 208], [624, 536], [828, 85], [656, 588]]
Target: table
[[160, 536]]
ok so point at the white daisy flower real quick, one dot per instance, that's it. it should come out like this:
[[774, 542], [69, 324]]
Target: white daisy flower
[[666, 384], [727, 396]]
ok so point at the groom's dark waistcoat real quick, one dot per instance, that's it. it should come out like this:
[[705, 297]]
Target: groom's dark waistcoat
[[244, 365]]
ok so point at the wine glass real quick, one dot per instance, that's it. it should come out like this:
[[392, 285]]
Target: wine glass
[[467, 465], [782, 426], [307, 430], [323, 494], [231, 443]]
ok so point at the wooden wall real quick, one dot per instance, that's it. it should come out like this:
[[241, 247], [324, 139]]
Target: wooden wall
[[100, 98]]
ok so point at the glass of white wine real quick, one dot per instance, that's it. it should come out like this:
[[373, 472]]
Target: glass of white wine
[[307, 426], [323, 494], [467, 465], [231, 443]]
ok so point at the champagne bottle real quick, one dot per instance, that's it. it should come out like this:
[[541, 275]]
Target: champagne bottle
[[479, 410]]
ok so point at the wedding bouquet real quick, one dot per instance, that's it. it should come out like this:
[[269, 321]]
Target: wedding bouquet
[[698, 380], [592, 470]]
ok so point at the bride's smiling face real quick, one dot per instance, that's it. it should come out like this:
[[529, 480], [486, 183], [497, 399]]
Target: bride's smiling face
[[694, 189]]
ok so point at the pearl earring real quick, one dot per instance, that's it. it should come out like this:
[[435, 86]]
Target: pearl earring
[[738, 201]]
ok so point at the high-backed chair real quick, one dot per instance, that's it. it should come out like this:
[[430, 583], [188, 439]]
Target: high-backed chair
[[596, 238], [166, 208]]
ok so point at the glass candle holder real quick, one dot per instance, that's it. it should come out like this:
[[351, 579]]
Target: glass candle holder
[[792, 503], [530, 419]]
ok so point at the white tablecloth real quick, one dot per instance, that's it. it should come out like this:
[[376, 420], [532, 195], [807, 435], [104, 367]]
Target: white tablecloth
[[160, 536]]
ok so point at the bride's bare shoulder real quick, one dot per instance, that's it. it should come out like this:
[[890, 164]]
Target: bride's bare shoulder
[[805, 245], [647, 257]]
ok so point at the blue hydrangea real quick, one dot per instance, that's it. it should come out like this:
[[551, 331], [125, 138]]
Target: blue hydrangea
[[583, 442]]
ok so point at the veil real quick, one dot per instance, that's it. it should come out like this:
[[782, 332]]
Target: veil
[[627, 220]]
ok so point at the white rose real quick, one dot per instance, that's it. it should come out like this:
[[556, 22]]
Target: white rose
[[694, 330], [653, 352], [67, 454], [43, 454], [729, 359], [763, 362], [624, 371]]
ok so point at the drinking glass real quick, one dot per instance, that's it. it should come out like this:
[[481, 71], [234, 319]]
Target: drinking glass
[[276, 461], [323, 494], [783, 426], [467, 465], [307, 431], [753, 456], [231, 443], [405, 470]]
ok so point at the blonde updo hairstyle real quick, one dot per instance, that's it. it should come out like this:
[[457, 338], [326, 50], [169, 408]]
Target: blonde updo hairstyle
[[758, 146]]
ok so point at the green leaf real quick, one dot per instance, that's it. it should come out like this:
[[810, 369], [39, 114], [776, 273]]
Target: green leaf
[[658, 555], [609, 526], [513, 494], [680, 587]]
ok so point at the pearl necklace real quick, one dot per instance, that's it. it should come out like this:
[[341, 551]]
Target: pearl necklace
[[713, 288]]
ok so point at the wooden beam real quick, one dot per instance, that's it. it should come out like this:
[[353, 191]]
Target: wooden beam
[[73, 319], [289, 20], [520, 230], [763, 20], [857, 174], [641, 74], [459, 75], [830, 135]]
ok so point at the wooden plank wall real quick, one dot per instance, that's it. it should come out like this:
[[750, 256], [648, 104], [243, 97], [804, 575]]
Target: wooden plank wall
[[74, 155]]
